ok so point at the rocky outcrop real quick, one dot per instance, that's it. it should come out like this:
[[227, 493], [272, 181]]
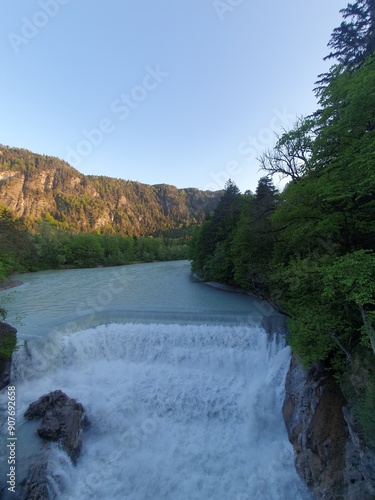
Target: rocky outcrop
[[36, 486], [8, 342], [329, 455], [62, 420], [35, 186], [359, 473]]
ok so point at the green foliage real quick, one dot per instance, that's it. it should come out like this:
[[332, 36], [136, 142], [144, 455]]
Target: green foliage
[[309, 334], [49, 189], [311, 248], [352, 43], [354, 39], [6, 265], [53, 247], [358, 384], [3, 311], [16, 249], [58, 249], [347, 120], [352, 276], [291, 156], [210, 247], [366, 413], [253, 239], [8, 344]]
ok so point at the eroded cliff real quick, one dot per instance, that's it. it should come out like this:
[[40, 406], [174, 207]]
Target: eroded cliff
[[330, 455], [36, 186]]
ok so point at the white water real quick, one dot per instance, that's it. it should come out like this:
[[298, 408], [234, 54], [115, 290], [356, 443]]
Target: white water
[[177, 411]]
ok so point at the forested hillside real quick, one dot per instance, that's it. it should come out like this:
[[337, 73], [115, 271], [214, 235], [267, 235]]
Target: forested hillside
[[310, 249], [53, 247], [52, 216], [37, 187]]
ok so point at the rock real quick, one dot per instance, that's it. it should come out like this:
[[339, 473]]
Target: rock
[[359, 473], [36, 485], [42, 185], [327, 456], [8, 342], [316, 428], [63, 421], [6, 284], [44, 480]]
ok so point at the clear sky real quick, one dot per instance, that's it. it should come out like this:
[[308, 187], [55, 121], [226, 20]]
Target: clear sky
[[183, 92]]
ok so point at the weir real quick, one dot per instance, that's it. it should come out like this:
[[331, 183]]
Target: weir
[[181, 405]]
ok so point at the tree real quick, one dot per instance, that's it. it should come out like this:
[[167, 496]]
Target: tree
[[86, 250], [210, 243], [352, 278], [291, 156], [198, 251], [52, 245], [17, 252], [347, 116], [253, 239], [354, 40]]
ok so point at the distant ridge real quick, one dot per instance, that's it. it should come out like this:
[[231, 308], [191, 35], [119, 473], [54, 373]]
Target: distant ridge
[[35, 187]]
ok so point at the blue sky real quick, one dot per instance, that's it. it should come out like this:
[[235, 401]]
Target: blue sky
[[183, 92]]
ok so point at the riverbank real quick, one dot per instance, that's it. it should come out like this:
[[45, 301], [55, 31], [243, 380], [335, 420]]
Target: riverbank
[[220, 286], [6, 284]]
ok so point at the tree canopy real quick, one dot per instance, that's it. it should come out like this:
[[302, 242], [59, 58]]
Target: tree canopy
[[311, 248]]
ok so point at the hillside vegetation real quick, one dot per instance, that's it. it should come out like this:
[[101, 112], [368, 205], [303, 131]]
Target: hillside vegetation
[[310, 249], [38, 187], [54, 217]]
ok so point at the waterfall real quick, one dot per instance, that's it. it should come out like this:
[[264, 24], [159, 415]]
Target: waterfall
[[177, 410]]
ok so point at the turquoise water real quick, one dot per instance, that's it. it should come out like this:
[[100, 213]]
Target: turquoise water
[[51, 299]]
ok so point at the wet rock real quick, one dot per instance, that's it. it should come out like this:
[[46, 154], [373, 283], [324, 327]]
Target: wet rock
[[328, 454], [359, 473], [62, 420], [36, 485], [8, 342]]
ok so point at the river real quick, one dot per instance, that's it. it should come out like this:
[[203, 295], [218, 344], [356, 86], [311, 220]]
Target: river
[[182, 386]]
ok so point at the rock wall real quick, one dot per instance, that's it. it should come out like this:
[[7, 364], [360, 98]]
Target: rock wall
[[35, 186], [329, 453]]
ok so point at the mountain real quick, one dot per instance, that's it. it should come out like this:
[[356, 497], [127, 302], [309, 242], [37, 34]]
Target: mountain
[[38, 187]]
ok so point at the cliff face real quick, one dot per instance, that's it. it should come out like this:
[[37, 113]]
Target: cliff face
[[329, 453], [35, 186]]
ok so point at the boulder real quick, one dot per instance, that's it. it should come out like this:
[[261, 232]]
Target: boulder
[[62, 420], [35, 486]]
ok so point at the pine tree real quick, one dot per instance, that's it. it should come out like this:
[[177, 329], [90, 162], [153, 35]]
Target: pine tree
[[354, 39], [352, 42]]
